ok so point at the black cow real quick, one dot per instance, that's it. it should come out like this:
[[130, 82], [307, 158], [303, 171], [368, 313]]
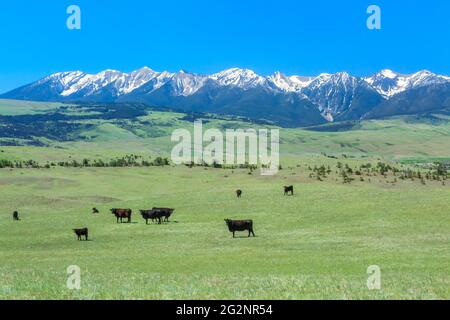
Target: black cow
[[95, 210], [81, 233], [165, 212], [121, 214], [154, 215], [239, 193], [16, 216], [289, 189], [240, 225]]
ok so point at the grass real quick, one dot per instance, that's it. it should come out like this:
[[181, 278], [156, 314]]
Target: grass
[[17, 107], [317, 244]]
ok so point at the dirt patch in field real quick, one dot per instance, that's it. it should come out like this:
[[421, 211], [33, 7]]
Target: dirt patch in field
[[43, 183]]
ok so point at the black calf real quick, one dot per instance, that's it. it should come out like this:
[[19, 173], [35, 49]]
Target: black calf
[[289, 190], [81, 233]]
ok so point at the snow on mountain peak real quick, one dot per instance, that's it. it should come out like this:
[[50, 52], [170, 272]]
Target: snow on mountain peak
[[301, 81], [134, 80], [282, 82], [335, 80], [332, 93], [387, 73], [389, 83], [145, 68], [186, 84], [291, 83], [244, 78], [64, 78], [108, 76], [89, 83], [342, 77]]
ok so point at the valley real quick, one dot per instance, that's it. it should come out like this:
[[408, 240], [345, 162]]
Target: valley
[[366, 193]]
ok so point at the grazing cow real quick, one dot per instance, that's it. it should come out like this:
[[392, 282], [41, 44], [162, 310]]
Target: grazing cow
[[121, 214], [239, 193], [16, 216], [289, 189], [165, 212], [154, 215], [81, 233], [240, 225], [95, 210]]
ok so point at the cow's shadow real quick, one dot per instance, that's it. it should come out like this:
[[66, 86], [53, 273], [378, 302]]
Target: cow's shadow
[[165, 223], [244, 237]]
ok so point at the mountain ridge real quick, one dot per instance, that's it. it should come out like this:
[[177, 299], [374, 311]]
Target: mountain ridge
[[286, 100]]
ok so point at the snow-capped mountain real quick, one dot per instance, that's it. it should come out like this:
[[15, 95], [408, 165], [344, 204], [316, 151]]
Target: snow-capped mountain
[[289, 84], [328, 97], [186, 84], [242, 78], [389, 83], [333, 93], [90, 85], [128, 83]]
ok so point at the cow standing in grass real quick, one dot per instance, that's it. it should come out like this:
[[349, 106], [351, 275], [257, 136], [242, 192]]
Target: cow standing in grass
[[240, 225], [153, 215], [95, 211], [81, 233], [289, 190], [165, 212], [239, 193], [16, 216], [121, 214]]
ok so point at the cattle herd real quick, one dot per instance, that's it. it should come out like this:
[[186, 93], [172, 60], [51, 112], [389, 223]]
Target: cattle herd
[[158, 215], [161, 215]]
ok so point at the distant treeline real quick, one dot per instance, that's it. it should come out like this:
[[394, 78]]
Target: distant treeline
[[126, 161], [437, 172], [217, 165]]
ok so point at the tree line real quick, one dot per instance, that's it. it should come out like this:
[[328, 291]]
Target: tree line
[[125, 161], [436, 172]]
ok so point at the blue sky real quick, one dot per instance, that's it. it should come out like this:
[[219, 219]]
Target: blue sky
[[204, 36]]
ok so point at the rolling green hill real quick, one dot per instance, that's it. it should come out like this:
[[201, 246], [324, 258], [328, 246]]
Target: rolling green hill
[[87, 130], [20, 107]]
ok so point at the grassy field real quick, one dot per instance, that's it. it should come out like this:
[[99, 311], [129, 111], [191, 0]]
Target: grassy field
[[317, 244], [16, 107]]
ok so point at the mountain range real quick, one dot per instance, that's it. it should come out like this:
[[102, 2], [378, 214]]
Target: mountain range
[[291, 101]]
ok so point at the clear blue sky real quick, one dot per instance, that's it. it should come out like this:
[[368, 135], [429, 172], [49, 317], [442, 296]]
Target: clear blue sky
[[203, 36]]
